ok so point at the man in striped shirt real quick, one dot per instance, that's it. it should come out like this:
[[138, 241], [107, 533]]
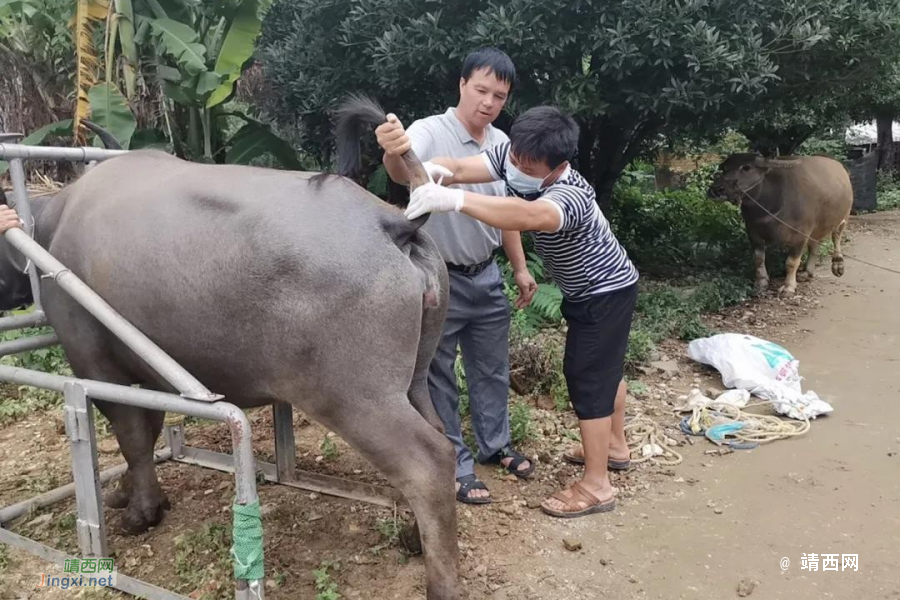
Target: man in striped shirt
[[599, 283]]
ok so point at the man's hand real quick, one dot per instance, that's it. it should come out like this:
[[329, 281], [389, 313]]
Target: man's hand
[[392, 137], [9, 219], [527, 287], [431, 197]]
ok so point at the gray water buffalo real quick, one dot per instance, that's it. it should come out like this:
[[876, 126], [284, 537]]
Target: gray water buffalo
[[793, 202], [267, 286]]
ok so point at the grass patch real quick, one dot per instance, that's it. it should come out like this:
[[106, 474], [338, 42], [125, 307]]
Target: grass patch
[[326, 588], [665, 311], [329, 448], [202, 562], [521, 427], [17, 402]]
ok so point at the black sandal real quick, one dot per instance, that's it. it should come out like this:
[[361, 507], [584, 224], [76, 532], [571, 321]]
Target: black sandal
[[466, 485], [513, 467]]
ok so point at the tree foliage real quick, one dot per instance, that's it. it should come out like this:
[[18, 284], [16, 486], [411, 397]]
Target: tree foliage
[[629, 71], [171, 69], [830, 83]]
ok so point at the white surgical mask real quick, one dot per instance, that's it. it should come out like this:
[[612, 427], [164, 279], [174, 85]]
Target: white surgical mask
[[521, 182]]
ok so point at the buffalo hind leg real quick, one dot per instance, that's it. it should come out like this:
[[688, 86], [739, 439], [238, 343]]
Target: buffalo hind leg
[[812, 259], [420, 398], [759, 262], [420, 462], [837, 257], [139, 492], [792, 263], [433, 315]]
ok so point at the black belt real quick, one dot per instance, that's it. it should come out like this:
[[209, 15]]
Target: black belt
[[470, 269]]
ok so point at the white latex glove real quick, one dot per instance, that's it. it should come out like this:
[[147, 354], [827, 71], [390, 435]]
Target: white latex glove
[[432, 197], [436, 171]]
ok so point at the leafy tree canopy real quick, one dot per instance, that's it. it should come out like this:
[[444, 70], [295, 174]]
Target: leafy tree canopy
[[629, 71]]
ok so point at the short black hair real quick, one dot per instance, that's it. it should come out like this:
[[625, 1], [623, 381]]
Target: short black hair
[[493, 60], [544, 134]]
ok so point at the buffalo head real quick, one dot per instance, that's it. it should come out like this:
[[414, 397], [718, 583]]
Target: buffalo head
[[741, 175]]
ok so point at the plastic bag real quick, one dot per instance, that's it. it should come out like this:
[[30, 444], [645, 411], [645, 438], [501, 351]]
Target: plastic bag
[[763, 368]]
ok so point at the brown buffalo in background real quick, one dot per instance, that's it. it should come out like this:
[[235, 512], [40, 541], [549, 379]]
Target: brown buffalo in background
[[794, 202]]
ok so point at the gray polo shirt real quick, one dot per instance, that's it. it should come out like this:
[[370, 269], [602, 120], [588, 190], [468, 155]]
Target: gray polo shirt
[[460, 238]]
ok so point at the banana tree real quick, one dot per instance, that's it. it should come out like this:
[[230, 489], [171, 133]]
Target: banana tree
[[199, 50]]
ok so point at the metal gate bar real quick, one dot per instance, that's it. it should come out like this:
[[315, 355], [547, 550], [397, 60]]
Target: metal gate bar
[[245, 480]]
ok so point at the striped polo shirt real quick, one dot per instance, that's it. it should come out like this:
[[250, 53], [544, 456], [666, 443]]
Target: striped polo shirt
[[583, 257]]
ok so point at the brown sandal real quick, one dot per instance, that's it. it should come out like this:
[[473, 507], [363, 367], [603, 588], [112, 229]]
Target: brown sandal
[[579, 495], [613, 464]]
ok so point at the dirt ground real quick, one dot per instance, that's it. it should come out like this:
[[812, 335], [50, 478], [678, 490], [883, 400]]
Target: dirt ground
[[714, 526]]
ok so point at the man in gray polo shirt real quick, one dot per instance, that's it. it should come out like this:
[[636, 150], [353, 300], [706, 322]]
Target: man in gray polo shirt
[[478, 316]]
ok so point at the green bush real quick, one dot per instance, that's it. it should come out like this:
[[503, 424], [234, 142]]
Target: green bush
[[680, 232], [888, 191], [830, 143], [521, 428]]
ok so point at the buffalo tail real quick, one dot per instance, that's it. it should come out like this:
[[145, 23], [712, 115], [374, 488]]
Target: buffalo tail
[[353, 118]]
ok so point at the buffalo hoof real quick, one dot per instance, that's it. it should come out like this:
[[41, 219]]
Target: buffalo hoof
[[762, 285], [837, 266], [410, 538], [786, 292], [804, 276], [144, 513], [121, 496], [117, 499]]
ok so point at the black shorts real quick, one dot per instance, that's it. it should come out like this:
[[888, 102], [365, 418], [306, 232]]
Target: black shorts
[[596, 343]]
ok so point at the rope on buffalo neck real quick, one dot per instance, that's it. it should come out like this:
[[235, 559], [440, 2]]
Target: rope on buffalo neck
[[809, 239], [247, 543]]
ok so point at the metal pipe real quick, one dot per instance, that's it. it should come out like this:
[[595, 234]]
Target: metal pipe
[[121, 394], [130, 335], [23, 208], [14, 511], [84, 154], [28, 343], [35, 319], [303, 480]]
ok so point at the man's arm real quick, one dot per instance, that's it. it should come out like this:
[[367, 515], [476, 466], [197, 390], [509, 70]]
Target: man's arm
[[472, 169], [513, 213], [508, 214], [393, 140], [512, 246]]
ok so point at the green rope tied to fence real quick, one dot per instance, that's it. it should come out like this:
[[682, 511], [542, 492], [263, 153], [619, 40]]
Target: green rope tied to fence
[[247, 541]]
